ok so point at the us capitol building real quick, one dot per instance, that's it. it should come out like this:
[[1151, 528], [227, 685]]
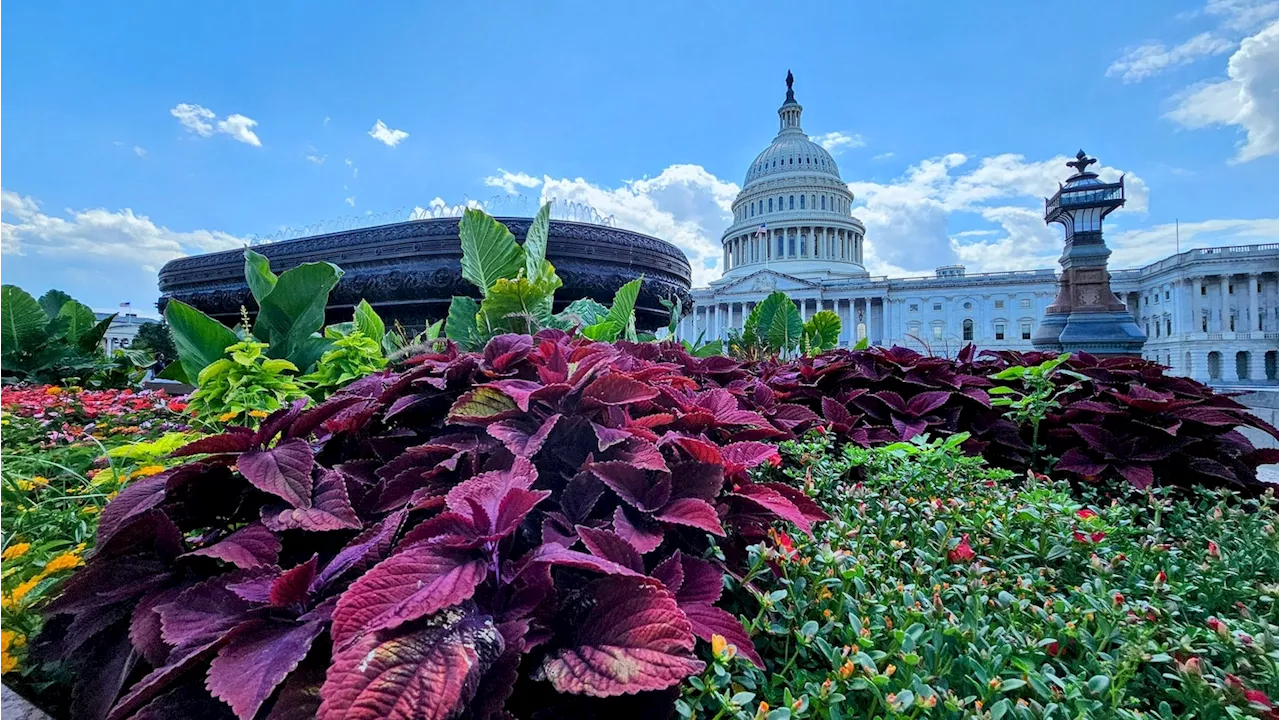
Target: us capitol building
[[1207, 313]]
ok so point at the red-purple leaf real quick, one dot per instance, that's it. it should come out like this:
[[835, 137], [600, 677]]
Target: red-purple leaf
[[283, 471], [416, 582], [519, 439], [692, 512], [330, 509], [519, 391], [250, 546], [742, 456], [428, 672], [504, 351], [200, 615], [803, 502], [610, 546], [634, 639], [632, 485], [701, 581], [670, 572], [135, 499], [557, 555], [643, 534], [237, 440], [250, 666], [616, 389], [291, 587], [776, 503], [709, 620]]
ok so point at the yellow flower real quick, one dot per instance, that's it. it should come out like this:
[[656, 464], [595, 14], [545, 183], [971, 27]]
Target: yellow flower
[[52, 390], [15, 551], [8, 662], [24, 588], [75, 388], [258, 413], [65, 561], [40, 480], [6, 602], [228, 416], [26, 485], [90, 509], [6, 640], [147, 471]]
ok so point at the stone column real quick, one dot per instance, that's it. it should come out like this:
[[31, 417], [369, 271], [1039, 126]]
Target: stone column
[[1225, 312], [1253, 303], [1196, 284]]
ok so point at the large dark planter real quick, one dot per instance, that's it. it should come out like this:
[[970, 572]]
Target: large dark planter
[[409, 271]]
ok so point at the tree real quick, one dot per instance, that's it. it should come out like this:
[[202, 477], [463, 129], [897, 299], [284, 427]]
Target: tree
[[154, 338]]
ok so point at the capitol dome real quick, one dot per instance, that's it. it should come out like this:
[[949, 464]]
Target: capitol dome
[[793, 214]]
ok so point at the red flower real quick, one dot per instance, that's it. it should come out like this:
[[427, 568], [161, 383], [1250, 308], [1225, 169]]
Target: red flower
[[1118, 599], [962, 552], [1085, 513], [1213, 550], [177, 406], [1053, 649], [1219, 627], [1090, 538], [1259, 699], [1161, 578], [783, 541], [775, 460]]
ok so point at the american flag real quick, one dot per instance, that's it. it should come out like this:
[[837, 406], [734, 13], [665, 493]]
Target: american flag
[[762, 230]]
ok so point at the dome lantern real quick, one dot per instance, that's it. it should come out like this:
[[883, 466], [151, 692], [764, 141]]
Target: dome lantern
[[789, 113]]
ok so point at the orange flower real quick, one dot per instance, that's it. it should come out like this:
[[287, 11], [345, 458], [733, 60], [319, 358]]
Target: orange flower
[[15, 551]]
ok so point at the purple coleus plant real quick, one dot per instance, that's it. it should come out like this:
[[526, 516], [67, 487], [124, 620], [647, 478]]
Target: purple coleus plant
[[481, 535]]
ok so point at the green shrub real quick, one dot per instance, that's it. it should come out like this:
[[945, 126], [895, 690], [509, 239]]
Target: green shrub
[[353, 356], [244, 387], [944, 588]]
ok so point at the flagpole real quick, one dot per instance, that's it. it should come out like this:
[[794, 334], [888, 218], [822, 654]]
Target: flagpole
[[1177, 237]]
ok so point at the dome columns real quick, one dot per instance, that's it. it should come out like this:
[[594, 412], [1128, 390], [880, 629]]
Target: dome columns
[[799, 241]]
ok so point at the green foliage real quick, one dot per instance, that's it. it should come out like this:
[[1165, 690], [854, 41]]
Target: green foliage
[[1040, 394], [245, 386], [774, 328], [518, 286], [199, 339], [942, 588], [154, 339], [353, 356], [57, 340], [291, 315]]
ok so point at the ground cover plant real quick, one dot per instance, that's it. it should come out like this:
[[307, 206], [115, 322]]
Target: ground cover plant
[[54, 482], [944, 588], [540, 527]]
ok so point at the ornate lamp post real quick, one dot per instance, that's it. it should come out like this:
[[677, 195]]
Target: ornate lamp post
[[1086, 315]]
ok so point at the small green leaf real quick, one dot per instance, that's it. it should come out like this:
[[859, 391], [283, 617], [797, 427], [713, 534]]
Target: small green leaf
[[1012, 684], [257, 272], [535, 243], [1098, 684], [368, 322]]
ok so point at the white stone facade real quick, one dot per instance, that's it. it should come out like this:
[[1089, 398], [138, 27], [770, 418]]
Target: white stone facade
[[1211, 314]]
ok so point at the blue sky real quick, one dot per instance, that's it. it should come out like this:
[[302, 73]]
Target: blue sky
[[137, 133]]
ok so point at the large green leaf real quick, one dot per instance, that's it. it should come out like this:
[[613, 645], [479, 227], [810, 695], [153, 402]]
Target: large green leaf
[[489, 250], [521, 305], [80, 320], [52, 301], [368, 322], [294, 310], [623, 310], [535, 244], [257, 272], [760, 322], [785, 328], [22, 321], [175, 372], [92, 338], [200, 339], [460, 326], [823, 330], [582, 312]]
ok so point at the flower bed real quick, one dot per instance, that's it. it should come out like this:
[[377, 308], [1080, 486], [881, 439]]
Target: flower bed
[[55, 481], [943, 588]]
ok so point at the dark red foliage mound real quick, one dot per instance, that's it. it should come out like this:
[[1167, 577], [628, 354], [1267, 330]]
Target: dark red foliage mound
[[477, 535], [1130, 422]]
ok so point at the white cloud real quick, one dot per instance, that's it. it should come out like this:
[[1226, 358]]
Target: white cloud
[[1245, 16], [201, 121], [386, 135], [1247, 99], [1139, 62], [99, 237], [355, 171], [684, 205], [883, 156], [240, 127], [1132, 248], [509, 180], [139, 151], [837, 142], [194, 118], [326, 120], [351, 201], [313, 155]]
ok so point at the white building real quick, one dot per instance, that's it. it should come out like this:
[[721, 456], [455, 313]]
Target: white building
[[1211, 314], [123, 329]]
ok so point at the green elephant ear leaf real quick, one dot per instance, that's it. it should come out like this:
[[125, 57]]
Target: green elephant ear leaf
[[80, 320], [460, 326], [785, 328], [520, 305], [582, 312], [535, 244], [51, 302], [489, 250], [823, 330], [89, 341], [863, 344], [368, 322], [200, 340], [22, 322], [257, 272], [294, 311]]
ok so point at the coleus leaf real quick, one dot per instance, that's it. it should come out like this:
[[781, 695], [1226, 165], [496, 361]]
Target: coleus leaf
[[556, 555], [330, 509], [416, 582], [617, 389], [692, 512], [250, 546], [291, 588], [251, 665], [742, 456], [503, 352], [427, 671], [283, 471], [610, 546], [771, 500], [362, 553], [633, 638], [643, 534], [521, 441], [632, 485], [482, 406]]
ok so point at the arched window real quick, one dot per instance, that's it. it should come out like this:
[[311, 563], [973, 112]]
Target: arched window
[[1269, 360], [967, 330], [791, 245], [770, 204], [793, 203], [753, 209], [823, 201], [1242, 365], [813, 201], [1215, 365], [781, 249], [801, 202]]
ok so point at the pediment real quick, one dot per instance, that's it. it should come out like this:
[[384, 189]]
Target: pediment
[[766, 281]]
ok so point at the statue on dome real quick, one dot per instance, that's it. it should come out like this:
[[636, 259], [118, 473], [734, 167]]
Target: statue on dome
[[790, 79]]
